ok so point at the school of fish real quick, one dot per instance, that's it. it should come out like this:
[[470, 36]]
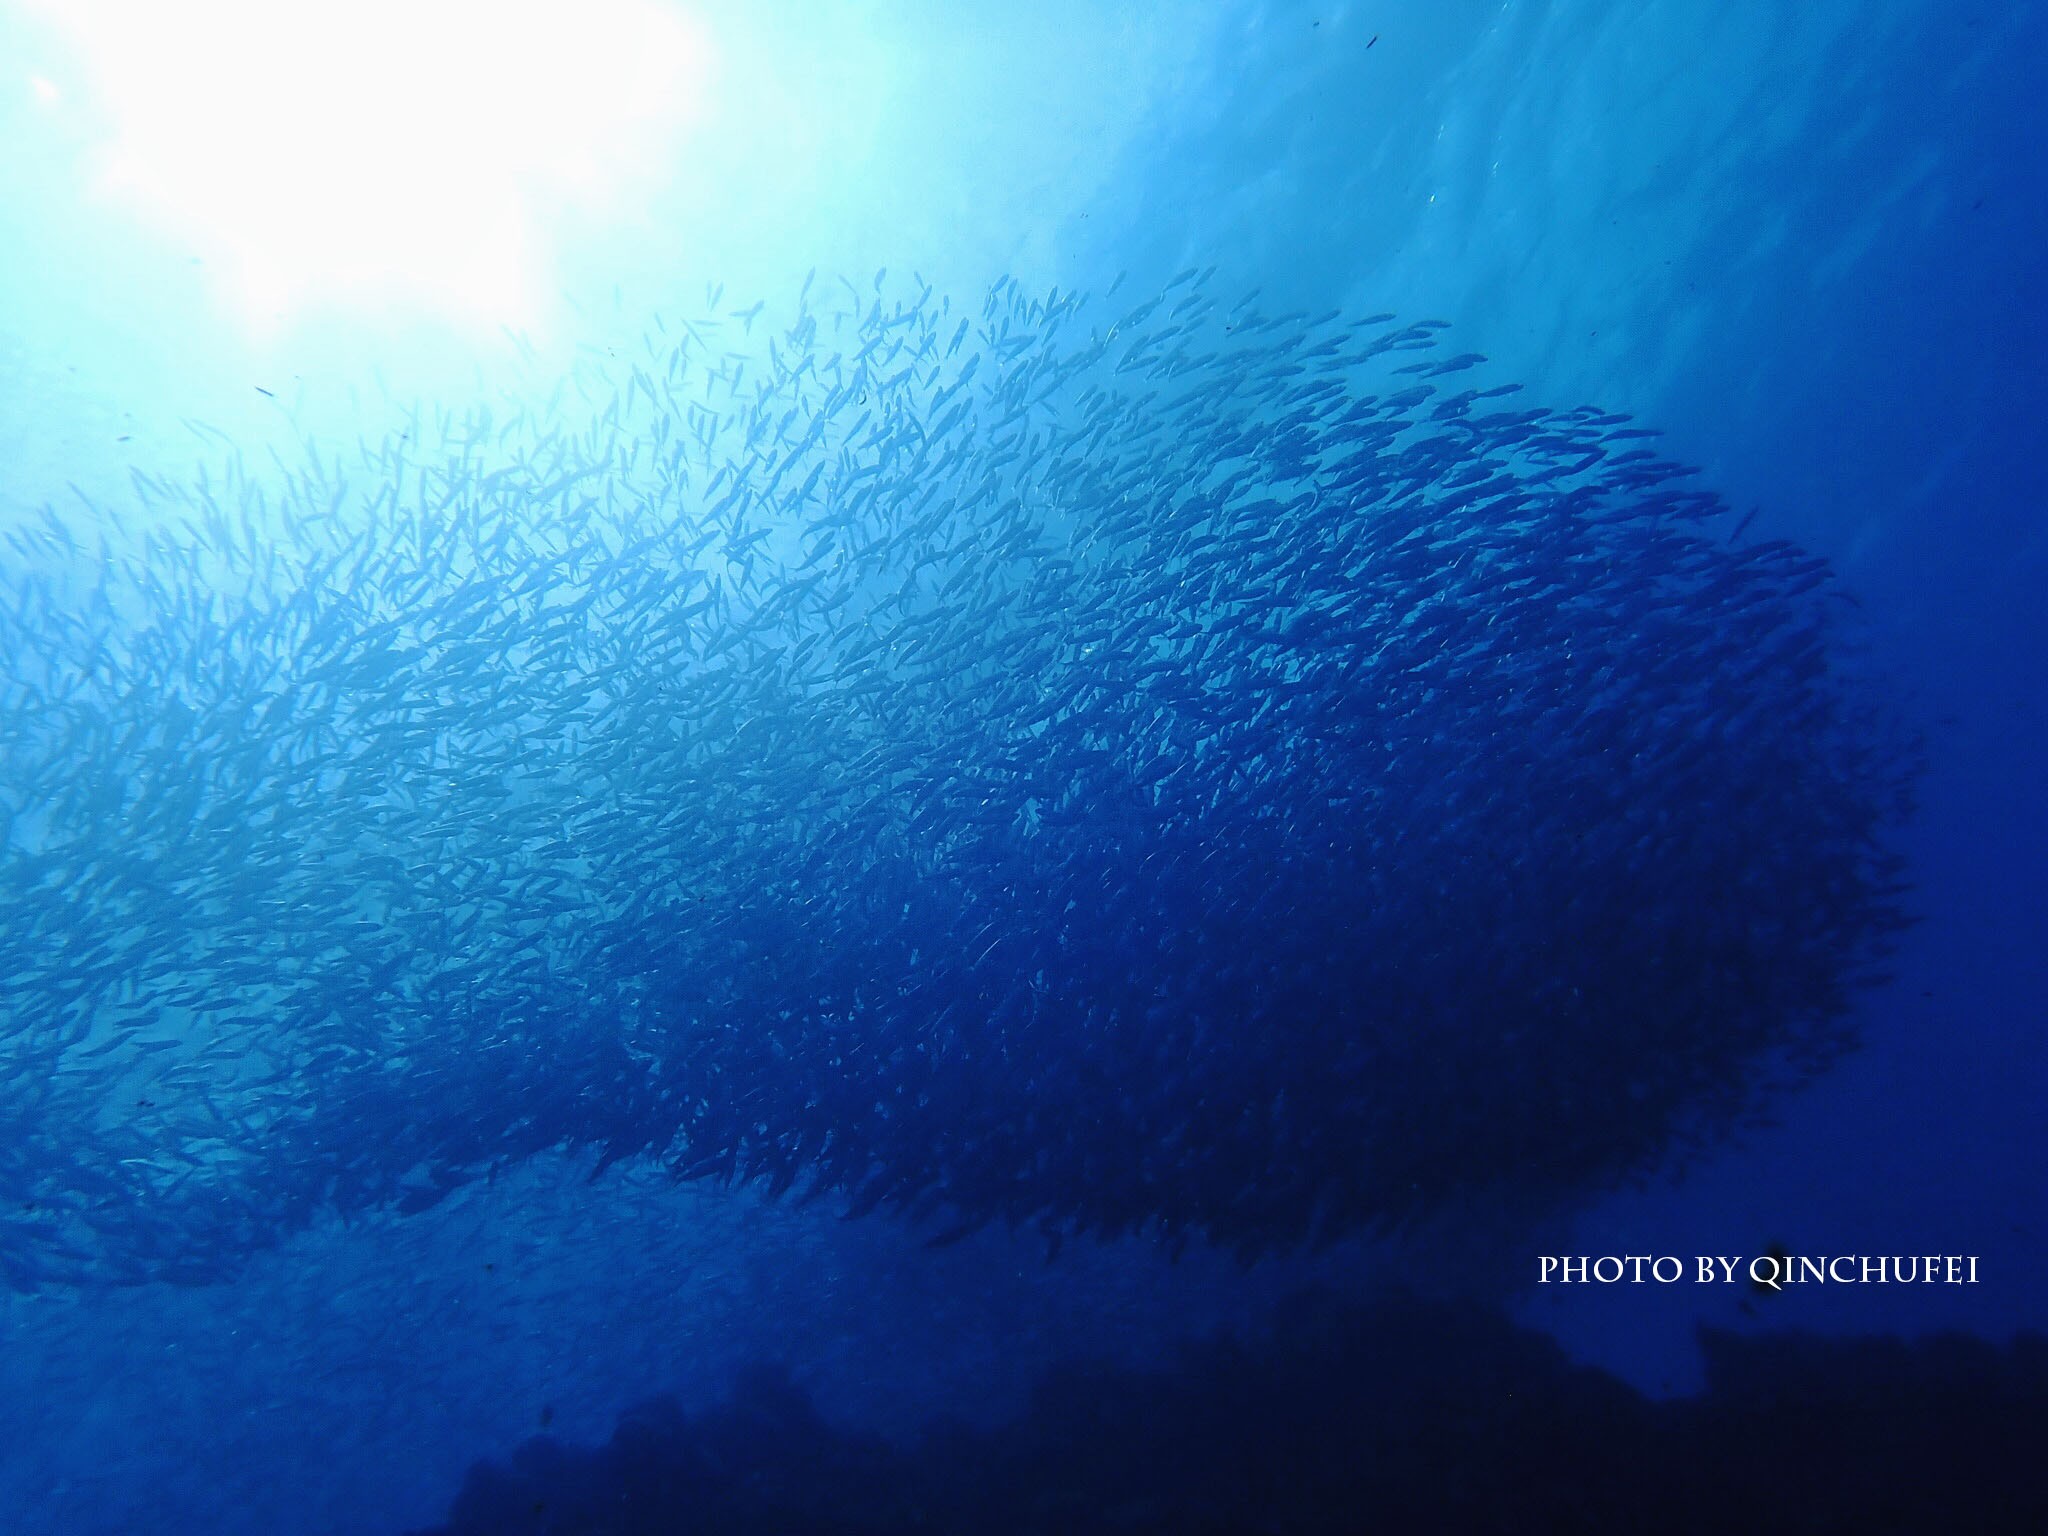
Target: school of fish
[[1183, 771]]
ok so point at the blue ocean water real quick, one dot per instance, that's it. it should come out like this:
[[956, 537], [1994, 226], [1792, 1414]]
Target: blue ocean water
[[1803, 243]]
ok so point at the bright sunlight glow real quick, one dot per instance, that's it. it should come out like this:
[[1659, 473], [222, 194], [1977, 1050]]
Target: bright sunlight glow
[[411, 149]]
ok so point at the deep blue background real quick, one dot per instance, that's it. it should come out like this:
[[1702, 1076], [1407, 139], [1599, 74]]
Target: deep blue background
[[1808, 241]]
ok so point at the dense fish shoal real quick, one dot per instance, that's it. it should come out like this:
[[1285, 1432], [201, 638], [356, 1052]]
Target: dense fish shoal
[[1175, 769]]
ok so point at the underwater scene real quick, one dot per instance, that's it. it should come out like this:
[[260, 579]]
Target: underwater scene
[[1081, 767]]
